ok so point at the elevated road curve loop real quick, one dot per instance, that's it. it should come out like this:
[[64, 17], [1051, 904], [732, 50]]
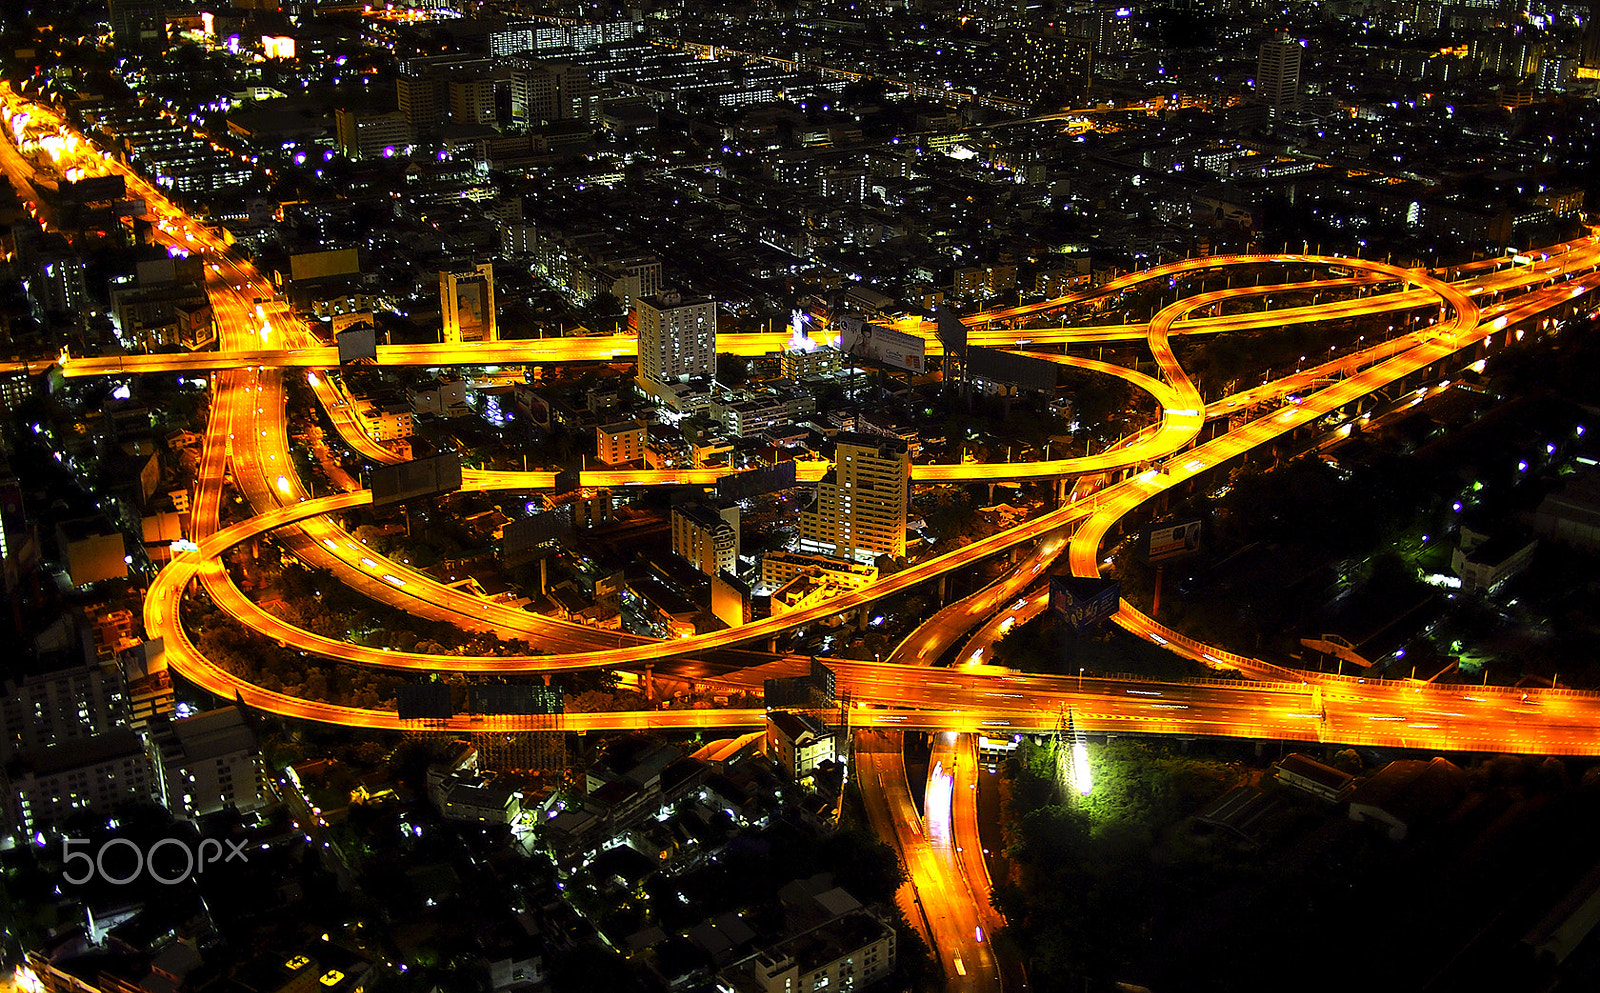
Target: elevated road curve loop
[[239, 351], [1461, 330], [1182, 419], [501, 665]]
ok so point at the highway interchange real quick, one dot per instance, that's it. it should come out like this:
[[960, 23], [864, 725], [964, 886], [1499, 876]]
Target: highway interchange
[[246, 443]]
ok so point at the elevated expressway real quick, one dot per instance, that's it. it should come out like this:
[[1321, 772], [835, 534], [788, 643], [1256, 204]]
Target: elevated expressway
[[1462, 330], [1540, 291]]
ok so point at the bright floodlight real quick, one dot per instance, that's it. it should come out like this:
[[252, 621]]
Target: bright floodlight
[[283, 483], [1080, 768]]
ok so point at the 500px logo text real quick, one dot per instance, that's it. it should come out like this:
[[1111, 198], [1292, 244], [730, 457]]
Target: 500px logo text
[[179, 863]]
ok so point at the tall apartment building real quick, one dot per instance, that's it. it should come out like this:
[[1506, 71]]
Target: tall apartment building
[[708, 536], [58, 282], [63, 706], [1108, 26], [677, 336], [46, 786], [625, 277], [514, 37], [423, 102], [551, 91], [136, 23], [428, 94], [616, 444], [1278, 71], [471, 98], [207, 762], [370, 136], [860, 509], [1589, 47], [1050, 68]]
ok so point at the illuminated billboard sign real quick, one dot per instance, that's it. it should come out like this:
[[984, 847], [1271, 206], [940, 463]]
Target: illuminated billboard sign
[[882, 346]]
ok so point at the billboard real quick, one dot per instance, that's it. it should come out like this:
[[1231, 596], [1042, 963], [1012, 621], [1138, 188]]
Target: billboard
[[952, 333], [466, 303], [1022, 371], [568, 480], [357, 344], [519, 539], [419, 477], [788, 691], [354, 319], [1084, 602], [162, 271], [1174, 541], [428, 701], [494, 699], [823, 680], [755, 482], [93, 190], [884, 346], [319, 265]]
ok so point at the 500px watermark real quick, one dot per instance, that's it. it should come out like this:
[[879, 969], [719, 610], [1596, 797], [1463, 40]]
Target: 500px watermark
[[180, 861]]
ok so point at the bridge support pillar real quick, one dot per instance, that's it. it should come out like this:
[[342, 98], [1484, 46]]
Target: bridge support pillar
[[649, 683], [944, 588]]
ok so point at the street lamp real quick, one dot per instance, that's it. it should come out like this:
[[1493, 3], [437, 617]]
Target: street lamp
[[1080, 679]]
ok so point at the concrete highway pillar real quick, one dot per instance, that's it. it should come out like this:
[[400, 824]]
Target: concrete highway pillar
[[944, 588], [649, 683]]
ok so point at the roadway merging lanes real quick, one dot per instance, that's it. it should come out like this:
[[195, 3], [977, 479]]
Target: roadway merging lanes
[[1351, 712], [1061, 520]]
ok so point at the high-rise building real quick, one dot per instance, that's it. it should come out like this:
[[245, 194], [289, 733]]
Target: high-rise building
[[466, 299], [1278, 71], [371, 136], [423, 102], [1049, 68], [61, 706], [471, 99], [860, 509], [57, 282], [45, 786], [677, 336], [434, 88], [136, 23], [1107, 26], [511, 38], [207, 762], [551, 91], [1589, 53], [708, 536]]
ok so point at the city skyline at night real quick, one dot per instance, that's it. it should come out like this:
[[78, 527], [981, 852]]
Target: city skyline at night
[[499, 498]]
